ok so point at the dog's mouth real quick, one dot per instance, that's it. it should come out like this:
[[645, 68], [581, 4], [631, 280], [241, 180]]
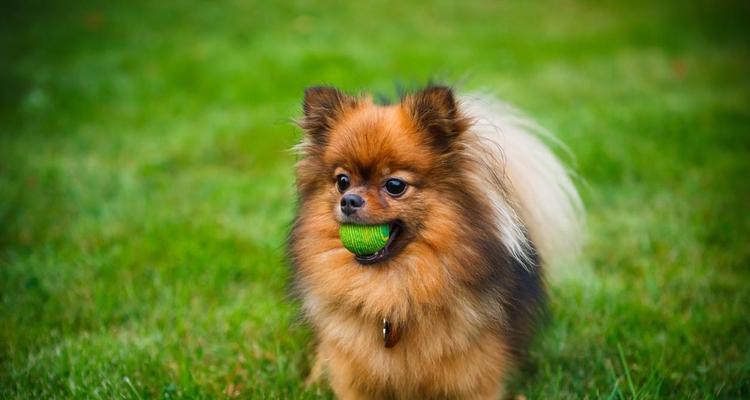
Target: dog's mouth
[[395, 243]]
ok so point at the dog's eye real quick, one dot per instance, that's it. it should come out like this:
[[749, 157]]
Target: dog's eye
[[342, 182], [395, 187]]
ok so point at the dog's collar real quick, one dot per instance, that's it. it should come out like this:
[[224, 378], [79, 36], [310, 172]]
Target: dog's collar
[[391, 334]]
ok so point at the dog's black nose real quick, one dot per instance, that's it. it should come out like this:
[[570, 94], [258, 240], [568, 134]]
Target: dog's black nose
[[350, 203]]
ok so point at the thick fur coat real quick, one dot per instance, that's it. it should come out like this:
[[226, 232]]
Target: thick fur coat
[[486, 207]]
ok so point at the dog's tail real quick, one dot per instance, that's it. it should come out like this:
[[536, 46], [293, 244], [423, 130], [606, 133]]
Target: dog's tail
[[542, 197]]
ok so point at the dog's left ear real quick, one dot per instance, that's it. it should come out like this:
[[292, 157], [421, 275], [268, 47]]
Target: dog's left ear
[[322, 107], [435, 111]]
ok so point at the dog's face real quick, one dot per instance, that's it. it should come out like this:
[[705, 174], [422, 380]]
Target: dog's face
[[369, 164]]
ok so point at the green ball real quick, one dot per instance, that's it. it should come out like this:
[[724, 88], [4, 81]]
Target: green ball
[[364, 239]]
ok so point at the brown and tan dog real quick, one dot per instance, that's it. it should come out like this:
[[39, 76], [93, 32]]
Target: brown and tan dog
[[475, 203]]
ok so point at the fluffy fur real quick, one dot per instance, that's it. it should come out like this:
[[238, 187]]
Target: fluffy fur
[[486, 202]]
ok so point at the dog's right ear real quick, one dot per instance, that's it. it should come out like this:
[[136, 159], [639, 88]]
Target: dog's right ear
[[322, 107], [436, 111]]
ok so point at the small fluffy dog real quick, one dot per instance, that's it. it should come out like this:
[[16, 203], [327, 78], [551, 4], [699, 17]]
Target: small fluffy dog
[[475, 204]]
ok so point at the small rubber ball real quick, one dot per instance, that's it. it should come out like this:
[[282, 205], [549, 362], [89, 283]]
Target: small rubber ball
[[364, 239]]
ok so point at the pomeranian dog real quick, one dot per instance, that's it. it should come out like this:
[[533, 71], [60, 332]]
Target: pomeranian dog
[[475, 207]]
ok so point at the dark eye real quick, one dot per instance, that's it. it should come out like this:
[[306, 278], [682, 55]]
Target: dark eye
[[395, 187], [342, 182]]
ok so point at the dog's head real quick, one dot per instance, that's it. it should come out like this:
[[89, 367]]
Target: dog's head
[[370, 164]]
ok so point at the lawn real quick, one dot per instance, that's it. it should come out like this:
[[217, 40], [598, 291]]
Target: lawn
[[146, 188]]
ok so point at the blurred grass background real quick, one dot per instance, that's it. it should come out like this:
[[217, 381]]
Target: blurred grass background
[[145, 186]]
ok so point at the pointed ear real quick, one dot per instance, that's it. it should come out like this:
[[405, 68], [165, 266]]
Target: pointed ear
[[435, 110], [322, 107]]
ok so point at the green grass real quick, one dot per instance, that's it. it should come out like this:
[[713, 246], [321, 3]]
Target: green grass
[[145, 186]]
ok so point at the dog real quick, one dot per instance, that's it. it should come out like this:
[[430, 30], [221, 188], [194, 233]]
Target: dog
[[476, 207]]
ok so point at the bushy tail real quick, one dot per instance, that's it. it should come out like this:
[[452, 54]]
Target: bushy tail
[[542, 193]]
